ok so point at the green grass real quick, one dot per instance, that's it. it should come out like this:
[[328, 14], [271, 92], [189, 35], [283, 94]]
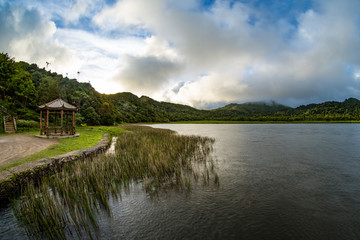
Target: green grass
[[70, 200], [89, 136]]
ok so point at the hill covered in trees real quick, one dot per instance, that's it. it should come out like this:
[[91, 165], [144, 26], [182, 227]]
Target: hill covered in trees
[[25, 86]]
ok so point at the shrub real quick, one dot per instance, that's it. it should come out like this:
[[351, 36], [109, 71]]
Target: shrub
[[107, 119], [27, 124]]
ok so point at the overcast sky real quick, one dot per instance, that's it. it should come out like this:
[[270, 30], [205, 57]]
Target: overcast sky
[[202, 53]]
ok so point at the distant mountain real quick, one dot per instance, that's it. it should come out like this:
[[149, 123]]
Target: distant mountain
[[331, 110], [349, 104], [25, 86], [251, 108]]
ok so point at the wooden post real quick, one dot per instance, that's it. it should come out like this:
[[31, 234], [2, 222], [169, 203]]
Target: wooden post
[[73, 123], [14, 122], [67, 123], [61, 121], [4, 123], [47, 122], [40, 122], [55, 121]]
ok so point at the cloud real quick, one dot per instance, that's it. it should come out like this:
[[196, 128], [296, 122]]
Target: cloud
[[98, 57], [146, 75], [26, 35], [67, 12], [221, 87], [150, 69], [204, 39], [73, 11]]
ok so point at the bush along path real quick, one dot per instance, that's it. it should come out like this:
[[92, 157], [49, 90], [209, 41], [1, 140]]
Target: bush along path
[[69, 201]]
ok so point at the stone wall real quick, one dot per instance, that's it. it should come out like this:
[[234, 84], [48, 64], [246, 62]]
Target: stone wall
[[12, 179]]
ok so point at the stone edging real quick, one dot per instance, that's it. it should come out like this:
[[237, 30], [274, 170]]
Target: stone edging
[[12, 179]]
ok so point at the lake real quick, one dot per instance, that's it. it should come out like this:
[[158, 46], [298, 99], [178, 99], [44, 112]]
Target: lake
[[277, 181]]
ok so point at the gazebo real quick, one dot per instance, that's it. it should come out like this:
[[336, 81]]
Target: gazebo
[[57, 107]]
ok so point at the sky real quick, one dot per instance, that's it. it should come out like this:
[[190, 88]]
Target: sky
[[202, 53]]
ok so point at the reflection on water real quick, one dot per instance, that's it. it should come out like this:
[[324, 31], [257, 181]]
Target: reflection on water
[[111, 149], [277, 181]]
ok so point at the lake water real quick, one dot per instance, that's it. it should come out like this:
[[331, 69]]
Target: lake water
[[277, 181]]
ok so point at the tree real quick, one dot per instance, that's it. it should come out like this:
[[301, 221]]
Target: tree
[[16, 85], [90, 116], [107, 119], [7, 70], [48, 90], [106, 112]]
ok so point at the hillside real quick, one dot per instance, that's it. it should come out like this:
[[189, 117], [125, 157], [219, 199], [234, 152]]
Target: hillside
[[256, 108], [144, 109], [332, 110], [25, 86]]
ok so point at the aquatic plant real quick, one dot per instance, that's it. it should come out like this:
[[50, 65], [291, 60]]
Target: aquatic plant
[[69, 201]]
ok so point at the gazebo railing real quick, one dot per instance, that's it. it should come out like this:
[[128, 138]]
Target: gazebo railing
[[51, 130]]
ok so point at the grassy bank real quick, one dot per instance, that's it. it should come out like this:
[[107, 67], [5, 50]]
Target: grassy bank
[[89, 136], [70, 200]]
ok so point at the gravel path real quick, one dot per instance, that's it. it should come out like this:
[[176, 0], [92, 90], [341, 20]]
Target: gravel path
[[14, 147]]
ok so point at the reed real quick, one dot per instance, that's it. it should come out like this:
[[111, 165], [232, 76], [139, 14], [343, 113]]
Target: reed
[[68, 202]]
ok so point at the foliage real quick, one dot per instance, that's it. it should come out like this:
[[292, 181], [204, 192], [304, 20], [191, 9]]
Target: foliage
[[17, 90], [49, 89], [27, 124], [349, 110], [1, 122], [107, 119], [90, 116]]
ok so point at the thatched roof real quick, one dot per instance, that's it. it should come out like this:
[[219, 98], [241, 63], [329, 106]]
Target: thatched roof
[[58, 104]]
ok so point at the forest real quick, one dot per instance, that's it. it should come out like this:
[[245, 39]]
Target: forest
[[25, 86]]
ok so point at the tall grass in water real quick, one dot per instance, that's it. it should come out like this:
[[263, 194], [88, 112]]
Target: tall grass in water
[[70, 200]]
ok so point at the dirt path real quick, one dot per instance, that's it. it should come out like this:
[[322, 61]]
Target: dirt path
[[14, 147]]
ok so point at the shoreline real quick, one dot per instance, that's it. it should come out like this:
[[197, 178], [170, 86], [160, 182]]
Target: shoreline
[[255, 122]]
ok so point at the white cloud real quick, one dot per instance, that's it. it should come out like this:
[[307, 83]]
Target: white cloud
[[98, 57], [146, 75], [222, 87], [357, 75], [26, 36], [150, 69], [72, 12], [67, 12]]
